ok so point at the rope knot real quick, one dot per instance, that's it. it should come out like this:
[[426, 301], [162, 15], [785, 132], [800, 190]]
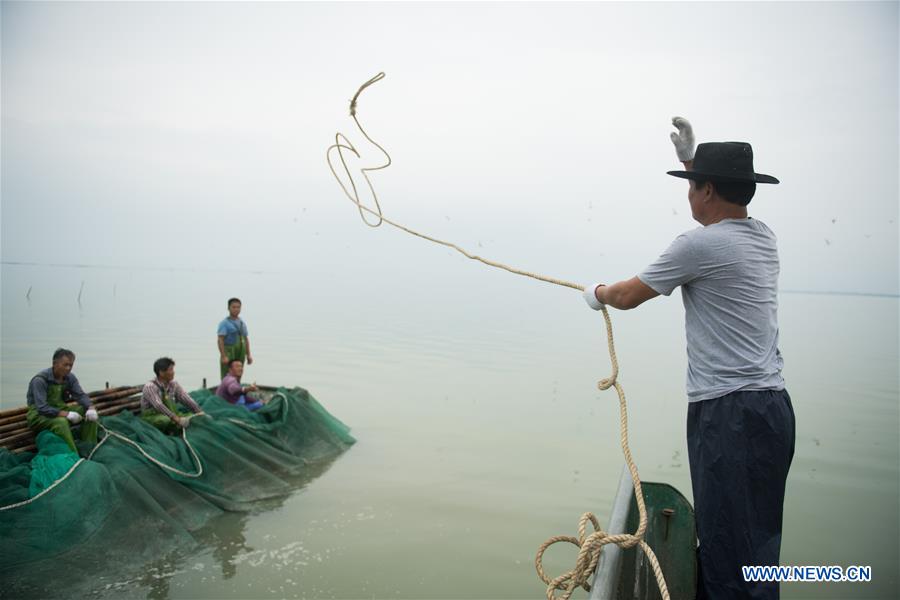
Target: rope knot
[[590, 547], [585, 565], [606, 383]]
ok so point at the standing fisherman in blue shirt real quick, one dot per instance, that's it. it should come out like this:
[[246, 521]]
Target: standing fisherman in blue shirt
[[48, 393], [740, 423], [232, 340]]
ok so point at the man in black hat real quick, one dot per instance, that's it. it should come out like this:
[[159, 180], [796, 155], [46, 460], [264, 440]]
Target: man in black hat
[[740, 425]]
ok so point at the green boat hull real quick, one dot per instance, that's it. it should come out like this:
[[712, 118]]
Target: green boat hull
[[671, 533]]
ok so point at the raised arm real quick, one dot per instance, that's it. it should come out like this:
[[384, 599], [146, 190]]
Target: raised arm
[[684, 141]]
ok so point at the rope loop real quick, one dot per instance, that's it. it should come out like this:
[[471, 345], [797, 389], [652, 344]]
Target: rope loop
[[589, 549], [588, 556], [608, 382], [351, 191], [377, 78]]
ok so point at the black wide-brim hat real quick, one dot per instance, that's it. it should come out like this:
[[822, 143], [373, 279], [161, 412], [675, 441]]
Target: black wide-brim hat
[[724, 161]]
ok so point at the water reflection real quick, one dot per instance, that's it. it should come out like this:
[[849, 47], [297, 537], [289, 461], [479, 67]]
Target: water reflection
[[228, 539], [221, 543], [157, 579]]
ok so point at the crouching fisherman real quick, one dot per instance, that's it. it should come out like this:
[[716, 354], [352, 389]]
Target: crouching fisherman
[[232, 391], [159, 398], [48, 393]]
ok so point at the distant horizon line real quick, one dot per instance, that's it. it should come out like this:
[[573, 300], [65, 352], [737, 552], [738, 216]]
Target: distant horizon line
[[836, 293], [135, 268], [260, 272]]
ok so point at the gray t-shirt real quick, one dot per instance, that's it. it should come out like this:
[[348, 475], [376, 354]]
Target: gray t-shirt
[[728, 273]]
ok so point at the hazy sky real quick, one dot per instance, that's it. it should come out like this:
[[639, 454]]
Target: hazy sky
[[193, 135]]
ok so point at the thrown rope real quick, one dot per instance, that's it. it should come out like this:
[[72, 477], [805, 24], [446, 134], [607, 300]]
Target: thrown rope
[[377, 212], [591, 545]]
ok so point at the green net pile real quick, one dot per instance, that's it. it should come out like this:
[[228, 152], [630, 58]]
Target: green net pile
[[119, 505]]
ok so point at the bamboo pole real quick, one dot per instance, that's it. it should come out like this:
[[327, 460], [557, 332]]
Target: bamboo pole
[[133, 406], [4, 429], [9, 434], [12, 412], [14, 429], [14, 440], [120, 391]]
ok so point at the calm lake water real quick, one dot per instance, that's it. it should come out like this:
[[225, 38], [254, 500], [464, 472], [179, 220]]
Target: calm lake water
[[481, 431]]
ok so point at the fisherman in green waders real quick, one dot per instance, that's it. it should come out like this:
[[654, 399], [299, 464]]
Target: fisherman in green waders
[[232, 338], [48, 393], [159, 398]]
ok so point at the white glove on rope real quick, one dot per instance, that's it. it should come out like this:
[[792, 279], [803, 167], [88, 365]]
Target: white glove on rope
[[91, 414], [184, 422], [73, 417], [590, 296], [683, 139]]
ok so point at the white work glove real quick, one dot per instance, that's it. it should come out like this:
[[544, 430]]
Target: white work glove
[[683, 139], [91, 414], [73, 417], [184, 422], [590, 296]]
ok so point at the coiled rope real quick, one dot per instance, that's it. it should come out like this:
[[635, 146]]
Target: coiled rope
[[591, 545]]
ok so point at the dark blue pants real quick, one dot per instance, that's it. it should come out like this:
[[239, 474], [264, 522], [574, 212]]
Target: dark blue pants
[[740, 448], [250, 404]]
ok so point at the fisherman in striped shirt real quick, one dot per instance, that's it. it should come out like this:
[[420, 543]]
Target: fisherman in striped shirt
[[159, 397]]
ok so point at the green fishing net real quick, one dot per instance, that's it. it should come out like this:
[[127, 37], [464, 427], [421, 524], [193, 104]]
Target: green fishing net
[[121, 507], [52, 462]]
